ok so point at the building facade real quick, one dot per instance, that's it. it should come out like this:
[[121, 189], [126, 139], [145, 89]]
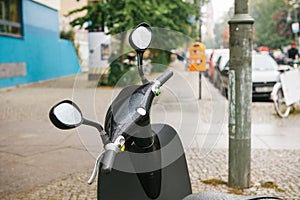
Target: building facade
[[80, 34], [30, 46]]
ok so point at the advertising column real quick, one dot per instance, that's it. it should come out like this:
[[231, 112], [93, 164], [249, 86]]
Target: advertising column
[[99, 52]]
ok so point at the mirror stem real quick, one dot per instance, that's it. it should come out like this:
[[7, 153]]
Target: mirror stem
[[103, 135], [140, 67]]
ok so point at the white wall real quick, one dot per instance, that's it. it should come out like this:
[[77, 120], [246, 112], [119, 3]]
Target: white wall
[[55, 4]]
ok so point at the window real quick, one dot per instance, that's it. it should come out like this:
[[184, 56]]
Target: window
[[11, 17]]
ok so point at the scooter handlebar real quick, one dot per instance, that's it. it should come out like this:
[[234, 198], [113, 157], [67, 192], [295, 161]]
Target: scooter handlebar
[[164, 77], [111, 150], [108, 160]]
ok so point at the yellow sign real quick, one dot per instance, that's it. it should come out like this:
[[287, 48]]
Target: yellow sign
[[197, 57]]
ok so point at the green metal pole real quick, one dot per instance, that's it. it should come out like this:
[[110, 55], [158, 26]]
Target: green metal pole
[[240, 96]]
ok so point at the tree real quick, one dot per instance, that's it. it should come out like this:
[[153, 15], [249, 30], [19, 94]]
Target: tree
[[120, 16], [94, 19], [221, 30], [271, 26]]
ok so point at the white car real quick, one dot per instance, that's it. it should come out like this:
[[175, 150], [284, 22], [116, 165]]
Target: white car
[[264, 75]]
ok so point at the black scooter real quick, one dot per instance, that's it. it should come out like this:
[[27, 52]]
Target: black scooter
[[140, 160]]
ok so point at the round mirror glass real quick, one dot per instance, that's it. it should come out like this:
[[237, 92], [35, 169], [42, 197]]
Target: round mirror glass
[[141, 37], [67, 114]]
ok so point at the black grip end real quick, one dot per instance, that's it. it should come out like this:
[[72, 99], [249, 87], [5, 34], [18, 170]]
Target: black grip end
[[165, 76], [108, 161]]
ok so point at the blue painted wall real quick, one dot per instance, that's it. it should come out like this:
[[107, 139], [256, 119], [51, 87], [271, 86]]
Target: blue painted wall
[[45, 54]]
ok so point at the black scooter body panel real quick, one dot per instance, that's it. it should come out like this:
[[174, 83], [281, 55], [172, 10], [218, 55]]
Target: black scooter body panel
[[125, 184]]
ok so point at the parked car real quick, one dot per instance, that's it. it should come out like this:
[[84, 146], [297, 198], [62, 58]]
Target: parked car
[[208, 55], [221, 57], [264, 76], [212, 62]]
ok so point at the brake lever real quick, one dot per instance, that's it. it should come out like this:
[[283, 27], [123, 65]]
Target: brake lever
[[117, 146], [96, 168]]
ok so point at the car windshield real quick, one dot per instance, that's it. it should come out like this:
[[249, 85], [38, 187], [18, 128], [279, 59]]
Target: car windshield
[[224, 60], [221, 57], [263, 63]]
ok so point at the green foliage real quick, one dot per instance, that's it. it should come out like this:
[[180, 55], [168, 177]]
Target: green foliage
[[214, 182], [115, 73], [94, 18], [119, 16], [121, 77], [160, 60], [70, 35], [271, 26], [266, 30], [271, 185], [67, 35]]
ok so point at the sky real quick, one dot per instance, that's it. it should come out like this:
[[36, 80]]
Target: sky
[[221, 6]]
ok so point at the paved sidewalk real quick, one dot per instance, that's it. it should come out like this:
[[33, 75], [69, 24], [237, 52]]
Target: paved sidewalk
[[38, 161], [281, 171]]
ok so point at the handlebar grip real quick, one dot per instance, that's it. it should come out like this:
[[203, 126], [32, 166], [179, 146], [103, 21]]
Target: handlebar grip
[[164, 77], [108, 160]]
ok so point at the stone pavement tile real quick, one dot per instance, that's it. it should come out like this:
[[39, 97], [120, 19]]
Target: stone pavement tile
[[22, 173], [79, 80], [281, 169], [209, 141], [282, 141], [32, 137], [69, 187], [66, 160], [19, 176], [30, 103], [267, 129], [221, 140], [8, 157]]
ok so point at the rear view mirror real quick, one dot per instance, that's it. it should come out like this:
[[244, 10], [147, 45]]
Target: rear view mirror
[[141, 37], [66, 115]]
